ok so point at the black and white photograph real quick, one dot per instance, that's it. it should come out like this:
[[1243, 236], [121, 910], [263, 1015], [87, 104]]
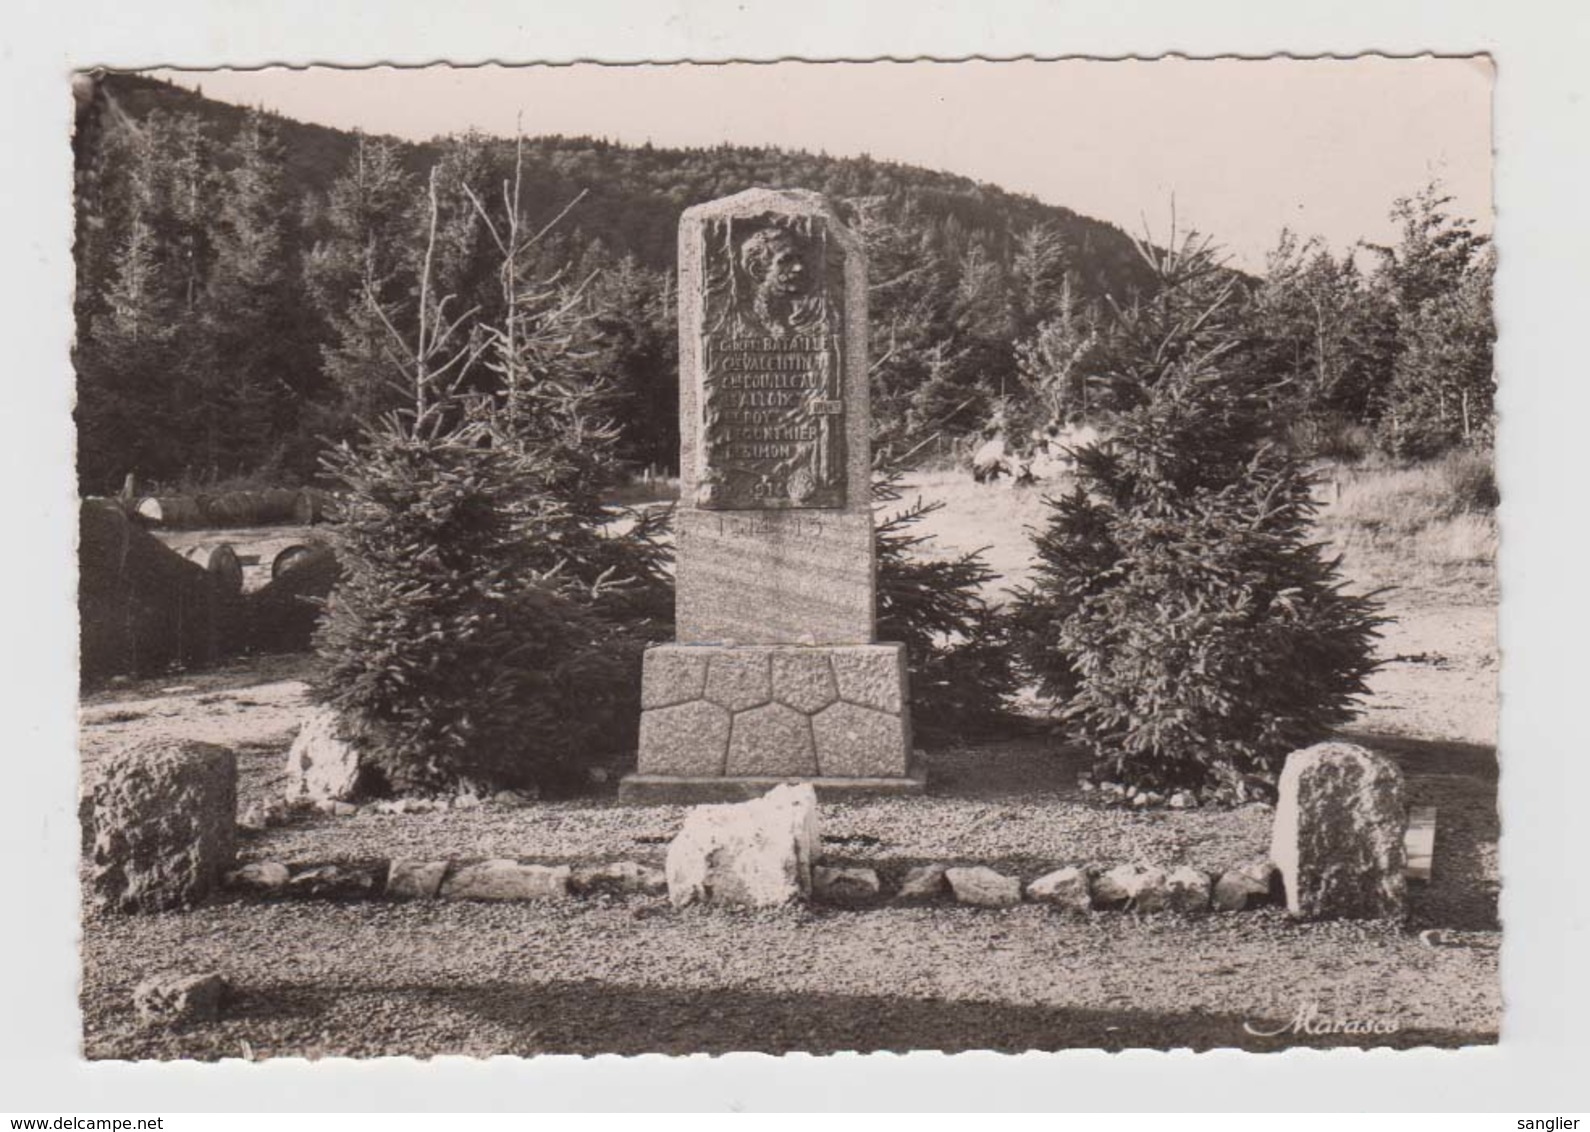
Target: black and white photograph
[[648, 559]]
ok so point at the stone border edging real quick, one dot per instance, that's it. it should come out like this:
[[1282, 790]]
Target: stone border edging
[[1080, 889]]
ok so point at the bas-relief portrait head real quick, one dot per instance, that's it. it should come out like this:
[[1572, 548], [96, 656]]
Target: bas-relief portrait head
[[775, 261], [772, 257]]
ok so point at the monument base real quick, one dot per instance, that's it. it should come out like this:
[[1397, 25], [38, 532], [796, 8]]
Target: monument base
[[671, 790], [765, 714]]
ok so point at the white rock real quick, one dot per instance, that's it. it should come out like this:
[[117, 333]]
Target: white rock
[[983, 887], [259, 876], [466, 802], [1187, 890], [320, 765], [179, 1000], [844, 886], [1136, 888], [1237, 890], [1064, 888], [507, 880], [757, 854], [922, 883], [414, 880]]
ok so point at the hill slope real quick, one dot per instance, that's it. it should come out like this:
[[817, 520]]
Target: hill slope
[[636, 193], [211, 312]]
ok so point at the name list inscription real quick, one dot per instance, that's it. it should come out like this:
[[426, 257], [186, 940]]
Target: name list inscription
[[774, 435]]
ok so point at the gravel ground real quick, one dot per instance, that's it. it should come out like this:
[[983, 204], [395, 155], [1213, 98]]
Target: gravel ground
[[1014, 806], [635, 977], [632, 976]]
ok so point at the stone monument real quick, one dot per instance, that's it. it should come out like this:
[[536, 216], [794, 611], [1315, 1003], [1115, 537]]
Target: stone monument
[[774, 675]]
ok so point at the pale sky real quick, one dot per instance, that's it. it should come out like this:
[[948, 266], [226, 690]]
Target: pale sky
[[1245, 147]]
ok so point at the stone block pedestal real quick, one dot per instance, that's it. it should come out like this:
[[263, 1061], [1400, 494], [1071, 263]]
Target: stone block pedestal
[[721, 722]]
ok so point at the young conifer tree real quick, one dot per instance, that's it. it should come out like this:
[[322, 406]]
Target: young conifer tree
[[463, 650], [1181, 619]]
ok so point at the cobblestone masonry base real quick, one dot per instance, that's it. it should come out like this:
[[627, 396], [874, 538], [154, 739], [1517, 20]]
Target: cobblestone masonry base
[[718, 716]]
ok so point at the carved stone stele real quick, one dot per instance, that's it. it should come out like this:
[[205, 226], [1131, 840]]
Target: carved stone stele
[[775, 674]]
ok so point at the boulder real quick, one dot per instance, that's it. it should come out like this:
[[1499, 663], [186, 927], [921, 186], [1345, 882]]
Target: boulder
[[1063, 888], [165, 825], [179, 1000], [983, 887], [1338, 834], [756, 854], [844, 886], [1187, 890], [1134, 888], [262, 877], [622, 878], [1250, 886], [414, 880], [321, 764], [507, 880], [922, 883]]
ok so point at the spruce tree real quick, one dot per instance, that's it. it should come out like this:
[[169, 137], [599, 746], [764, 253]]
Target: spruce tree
[[1438, 279], [1181, 619], [361, 274], [138, 329], [487, 629]]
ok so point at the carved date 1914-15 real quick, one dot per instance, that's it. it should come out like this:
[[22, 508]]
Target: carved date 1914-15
[[772, 367]]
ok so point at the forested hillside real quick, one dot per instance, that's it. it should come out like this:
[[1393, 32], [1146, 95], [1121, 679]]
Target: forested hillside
[[227, 259]]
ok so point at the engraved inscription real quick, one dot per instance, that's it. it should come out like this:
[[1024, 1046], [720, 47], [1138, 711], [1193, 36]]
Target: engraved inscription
[[732, 526], [772, 366]]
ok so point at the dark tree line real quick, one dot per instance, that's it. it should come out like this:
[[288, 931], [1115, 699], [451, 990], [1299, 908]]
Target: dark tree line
[[224, 256], [1395, 354]]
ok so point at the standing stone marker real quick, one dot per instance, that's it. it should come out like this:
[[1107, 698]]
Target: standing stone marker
[[775, 674], [1337, 838], [165, 825]]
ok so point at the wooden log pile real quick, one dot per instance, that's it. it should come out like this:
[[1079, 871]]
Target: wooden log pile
[[234, 508], [142, 606], [284, 612]]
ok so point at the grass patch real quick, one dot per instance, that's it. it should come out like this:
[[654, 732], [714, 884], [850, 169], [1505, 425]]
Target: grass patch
[[1429, 526]]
